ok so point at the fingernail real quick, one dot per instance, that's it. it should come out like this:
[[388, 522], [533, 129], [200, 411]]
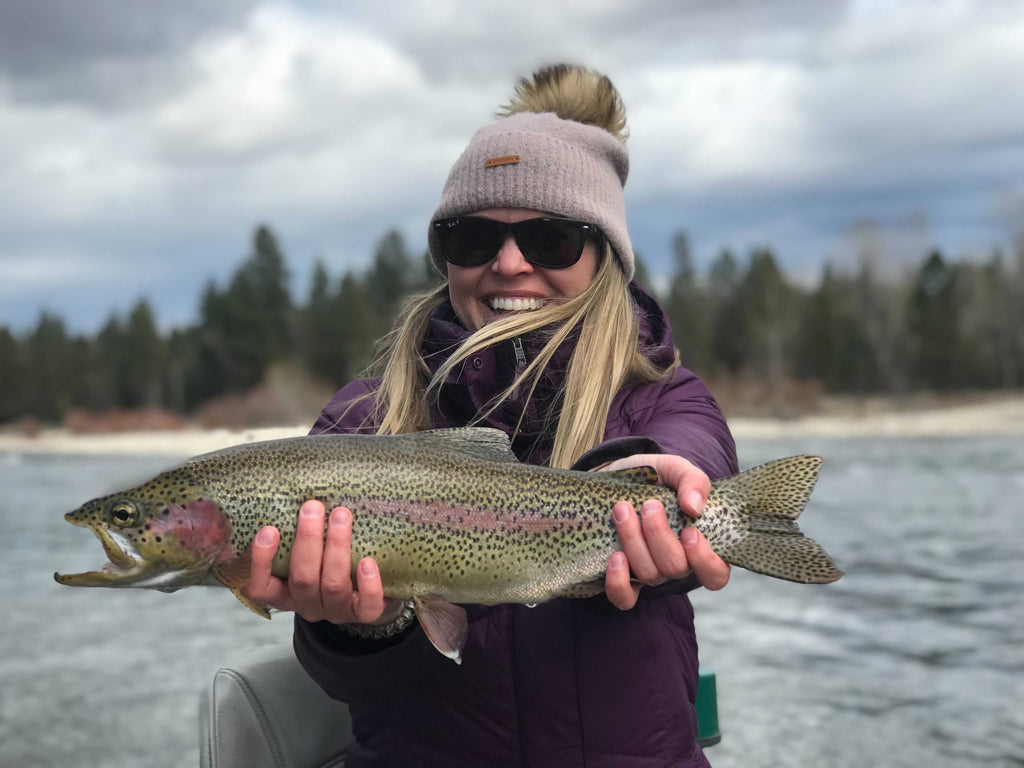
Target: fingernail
[[689, 536], [649, 508], [696, 501], [340, 516], [265, 537], [310, 510], [620, 512], [366, 567], [617, 561]]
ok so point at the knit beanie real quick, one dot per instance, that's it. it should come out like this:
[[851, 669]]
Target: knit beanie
[[538, 160]]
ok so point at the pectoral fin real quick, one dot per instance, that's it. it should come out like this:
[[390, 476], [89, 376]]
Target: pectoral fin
[[253, 605], [444, 624], [234, 574]]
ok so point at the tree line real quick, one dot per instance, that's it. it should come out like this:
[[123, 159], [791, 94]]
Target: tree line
[[948, 325]]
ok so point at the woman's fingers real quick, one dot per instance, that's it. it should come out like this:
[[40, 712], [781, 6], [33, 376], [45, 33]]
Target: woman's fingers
[[665, 548], [319, 585], [336, 572], [622, 593], [690, 482], [307, 560], [263, 586], [711, 570], [368, 602], [634, 544], [653, 551], [652, 554]]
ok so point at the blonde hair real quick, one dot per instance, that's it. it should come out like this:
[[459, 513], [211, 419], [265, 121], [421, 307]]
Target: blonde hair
[[606, 356]]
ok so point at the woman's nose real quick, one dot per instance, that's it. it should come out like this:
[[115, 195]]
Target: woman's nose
[[510, 260]]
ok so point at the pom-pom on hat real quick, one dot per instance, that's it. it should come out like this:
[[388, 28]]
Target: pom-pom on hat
[[541, 161]]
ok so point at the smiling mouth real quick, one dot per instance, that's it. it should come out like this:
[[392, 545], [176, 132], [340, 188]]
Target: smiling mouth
[[514, 303]]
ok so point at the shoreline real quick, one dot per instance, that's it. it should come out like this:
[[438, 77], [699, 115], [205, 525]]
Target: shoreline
[[1000, 416]]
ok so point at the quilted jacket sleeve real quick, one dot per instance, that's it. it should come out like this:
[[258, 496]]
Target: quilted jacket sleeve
[[682, 417]]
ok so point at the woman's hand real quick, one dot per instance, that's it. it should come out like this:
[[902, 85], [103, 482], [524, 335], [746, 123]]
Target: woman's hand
[[650, 549], [319, 585]]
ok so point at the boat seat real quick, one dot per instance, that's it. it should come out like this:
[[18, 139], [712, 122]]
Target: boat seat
[[266, 712]]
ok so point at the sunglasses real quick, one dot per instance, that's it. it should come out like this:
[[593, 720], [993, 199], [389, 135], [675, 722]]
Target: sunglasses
[[549, 242]]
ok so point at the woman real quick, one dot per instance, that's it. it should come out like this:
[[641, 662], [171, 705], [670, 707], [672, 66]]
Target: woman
[[538, 331]]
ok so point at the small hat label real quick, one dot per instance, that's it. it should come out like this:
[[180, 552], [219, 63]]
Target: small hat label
[[503, 160]]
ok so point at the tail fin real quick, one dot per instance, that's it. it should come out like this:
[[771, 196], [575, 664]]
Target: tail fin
[[752, 521]]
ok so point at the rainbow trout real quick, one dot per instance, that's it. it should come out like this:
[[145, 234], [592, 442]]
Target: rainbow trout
[[450, 516]]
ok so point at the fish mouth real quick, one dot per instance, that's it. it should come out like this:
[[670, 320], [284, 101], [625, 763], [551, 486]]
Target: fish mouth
[[126, 566], [111, 576]]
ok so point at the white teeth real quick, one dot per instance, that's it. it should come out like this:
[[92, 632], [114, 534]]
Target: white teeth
[[514, 304]]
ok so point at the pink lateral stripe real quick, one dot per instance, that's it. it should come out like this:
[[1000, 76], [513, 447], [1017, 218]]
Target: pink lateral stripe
[[466, 518]]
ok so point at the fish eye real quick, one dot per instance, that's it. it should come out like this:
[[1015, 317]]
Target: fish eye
[[124, 513]]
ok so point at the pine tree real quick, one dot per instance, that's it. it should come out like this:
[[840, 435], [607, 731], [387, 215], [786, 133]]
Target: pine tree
[[251, 324], [356, 315], [934, 325], [143, 359], [266, 279], [49, 369], [213, 371], [15, 378], [726, 311], [770, 313], [391, 277], [324, 331], [688, 308], [880, 317], [831, 345]]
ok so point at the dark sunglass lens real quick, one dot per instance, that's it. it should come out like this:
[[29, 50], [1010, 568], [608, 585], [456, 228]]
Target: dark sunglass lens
[[550, 242], [470, 242]]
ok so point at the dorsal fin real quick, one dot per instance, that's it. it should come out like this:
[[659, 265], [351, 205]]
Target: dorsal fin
[[477, 442]]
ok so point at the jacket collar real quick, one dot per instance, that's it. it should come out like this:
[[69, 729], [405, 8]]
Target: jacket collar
[[470, 388], [445, 333]]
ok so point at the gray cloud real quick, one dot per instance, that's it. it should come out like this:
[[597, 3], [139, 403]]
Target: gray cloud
[[105, 52], [504, 39], [142, 147]]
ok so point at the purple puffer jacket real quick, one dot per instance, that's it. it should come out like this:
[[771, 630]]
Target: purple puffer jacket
[[569, 682]]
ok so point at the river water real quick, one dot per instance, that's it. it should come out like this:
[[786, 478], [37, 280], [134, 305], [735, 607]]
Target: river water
[[915, 658]]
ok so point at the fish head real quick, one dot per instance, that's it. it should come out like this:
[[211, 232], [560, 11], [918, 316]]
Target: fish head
[[162, 535]]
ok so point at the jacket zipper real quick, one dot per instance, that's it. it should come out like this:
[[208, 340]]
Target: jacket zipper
[[517, 345]]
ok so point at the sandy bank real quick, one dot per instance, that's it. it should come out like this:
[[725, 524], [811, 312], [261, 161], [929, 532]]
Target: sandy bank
[[184, 442], [1004, 416]]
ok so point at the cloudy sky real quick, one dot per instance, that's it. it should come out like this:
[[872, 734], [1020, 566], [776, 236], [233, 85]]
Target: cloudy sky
[[142, 140]]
